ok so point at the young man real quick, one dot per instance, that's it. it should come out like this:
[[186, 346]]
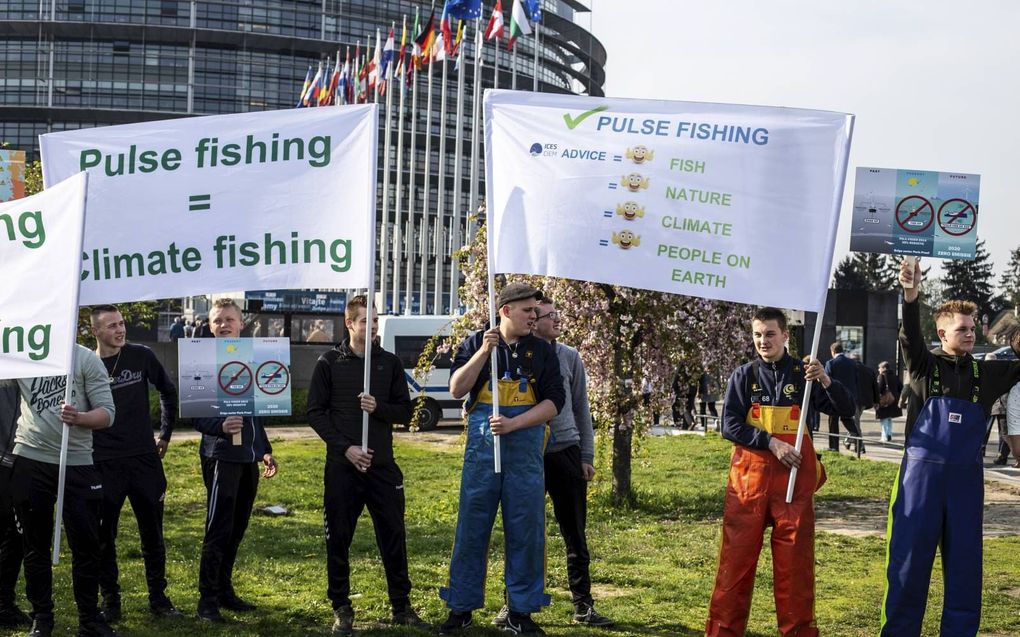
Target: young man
[[569, 465], [231, 475], [843, 369], [354, 478], [129, 461], [938, 499], [34, 487], [530, 394], [11, 551], [761, 414]]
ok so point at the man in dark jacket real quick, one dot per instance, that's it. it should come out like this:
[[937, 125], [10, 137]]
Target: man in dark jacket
[[938, 499], [358, 472], [867, 394], [231, 450], [11, 551], [842, 368]]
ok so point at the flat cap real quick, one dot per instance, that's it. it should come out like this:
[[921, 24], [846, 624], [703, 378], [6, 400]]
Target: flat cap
[[517, 292]]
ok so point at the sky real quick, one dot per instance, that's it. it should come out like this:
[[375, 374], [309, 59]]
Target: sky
[[932, 84]]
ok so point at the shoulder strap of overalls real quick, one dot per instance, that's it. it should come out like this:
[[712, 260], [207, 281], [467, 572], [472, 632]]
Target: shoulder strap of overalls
[[935, 386]]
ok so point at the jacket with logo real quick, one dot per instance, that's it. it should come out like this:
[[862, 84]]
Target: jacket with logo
[[778, 388]]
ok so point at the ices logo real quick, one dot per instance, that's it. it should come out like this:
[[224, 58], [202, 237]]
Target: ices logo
[[536, 149]]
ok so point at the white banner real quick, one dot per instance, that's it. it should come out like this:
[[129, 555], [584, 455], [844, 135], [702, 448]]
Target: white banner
[[40, 238], [271, 200], [738, 203]]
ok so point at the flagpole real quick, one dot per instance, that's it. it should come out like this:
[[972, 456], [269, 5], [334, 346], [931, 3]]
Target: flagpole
[[384, 244], [424, 284], [476, 92], [398, 226], [370, 296], [513, 67], [497, 456], [65, 433], [458, 181], [437, 292], [534, 67], [412, 177]]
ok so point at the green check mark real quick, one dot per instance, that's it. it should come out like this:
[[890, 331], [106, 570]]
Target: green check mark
[[573, 122]]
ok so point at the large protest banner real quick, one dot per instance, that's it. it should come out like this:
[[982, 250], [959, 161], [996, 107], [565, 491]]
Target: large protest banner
[[40, 239], [270, 200], [737, 203]]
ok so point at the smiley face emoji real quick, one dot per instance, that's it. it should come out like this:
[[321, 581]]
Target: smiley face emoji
[[640, 154], [626, 239], [634, 182], [630, 210]]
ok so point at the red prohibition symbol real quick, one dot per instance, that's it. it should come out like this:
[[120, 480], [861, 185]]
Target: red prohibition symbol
[[914, 206], [955, 215], [272, 377]]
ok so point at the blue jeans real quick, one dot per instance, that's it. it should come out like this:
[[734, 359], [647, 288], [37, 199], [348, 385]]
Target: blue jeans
[[886, 428]]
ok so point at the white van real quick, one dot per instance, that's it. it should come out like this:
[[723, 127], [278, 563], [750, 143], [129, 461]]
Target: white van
[[406, 337]]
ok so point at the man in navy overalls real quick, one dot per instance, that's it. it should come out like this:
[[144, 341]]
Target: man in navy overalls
[[938, 497], [531, 393]]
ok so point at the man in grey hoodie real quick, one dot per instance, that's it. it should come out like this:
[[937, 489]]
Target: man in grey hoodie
[[44, 415], [569, 465]]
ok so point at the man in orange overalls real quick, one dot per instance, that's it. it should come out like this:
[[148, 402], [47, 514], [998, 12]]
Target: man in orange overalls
[[760, 414]]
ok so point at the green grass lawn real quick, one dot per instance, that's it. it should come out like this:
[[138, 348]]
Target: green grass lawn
[[653, 564]]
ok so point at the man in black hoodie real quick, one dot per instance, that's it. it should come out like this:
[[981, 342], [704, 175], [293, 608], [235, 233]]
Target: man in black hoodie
[[362, 473], [938, 499], [231, 450]]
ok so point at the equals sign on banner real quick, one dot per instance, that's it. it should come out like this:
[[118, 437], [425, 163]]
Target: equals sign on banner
[[612, 186], [617, 157], [604, 243], [199, 202], [608, 214]]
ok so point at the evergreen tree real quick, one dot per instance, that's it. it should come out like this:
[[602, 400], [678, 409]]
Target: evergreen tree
[[1010, 282], [848, 276], [972, 281]]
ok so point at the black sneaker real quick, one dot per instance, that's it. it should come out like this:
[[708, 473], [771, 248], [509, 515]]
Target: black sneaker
[[407, 617], [41, 627], [1000, 459], [456, 621], [587, 615], [500, 618], [164, 608], [14, 617], [111, 608], [521, 624], [231, 601], [209, 611], [343, 621], [96, 628]]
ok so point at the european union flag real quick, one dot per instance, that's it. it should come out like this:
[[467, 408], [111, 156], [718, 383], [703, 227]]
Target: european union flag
[[465, 9], [534, 8]]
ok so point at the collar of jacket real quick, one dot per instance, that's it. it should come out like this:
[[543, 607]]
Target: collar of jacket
[[344, 348]]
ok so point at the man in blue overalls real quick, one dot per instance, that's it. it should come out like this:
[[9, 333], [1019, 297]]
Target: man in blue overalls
[[938, 498], [530, 394]]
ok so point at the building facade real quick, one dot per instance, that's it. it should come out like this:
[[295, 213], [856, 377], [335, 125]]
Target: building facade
[[68, 64]]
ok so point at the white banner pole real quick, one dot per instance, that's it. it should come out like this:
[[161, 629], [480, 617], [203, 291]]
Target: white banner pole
[[837, 202], [69, 388], [370, 305]]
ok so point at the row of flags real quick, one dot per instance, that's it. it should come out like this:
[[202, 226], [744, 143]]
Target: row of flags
[[357, 79]]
